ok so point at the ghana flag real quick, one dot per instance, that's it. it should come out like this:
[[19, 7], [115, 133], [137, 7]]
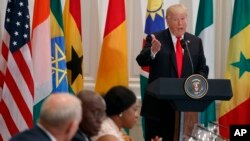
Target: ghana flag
[[73, 44]]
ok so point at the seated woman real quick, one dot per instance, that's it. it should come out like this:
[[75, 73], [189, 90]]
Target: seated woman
[[122, 112]]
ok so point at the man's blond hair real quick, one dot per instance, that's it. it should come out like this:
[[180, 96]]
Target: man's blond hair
[[176, 8]]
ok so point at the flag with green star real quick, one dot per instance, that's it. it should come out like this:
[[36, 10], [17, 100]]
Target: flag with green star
[[73, 44], [236, 111]]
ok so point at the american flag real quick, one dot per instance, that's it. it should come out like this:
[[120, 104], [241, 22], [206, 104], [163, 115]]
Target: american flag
[[17, 87]]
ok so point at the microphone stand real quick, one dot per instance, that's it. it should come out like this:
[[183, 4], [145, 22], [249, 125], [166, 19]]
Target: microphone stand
[[185, 46]]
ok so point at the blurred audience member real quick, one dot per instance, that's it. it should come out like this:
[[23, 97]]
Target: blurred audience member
[[122, 112], [93, 107], [60, 116]]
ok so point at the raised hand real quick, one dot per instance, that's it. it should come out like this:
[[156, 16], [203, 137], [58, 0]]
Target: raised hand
[[156, 45]]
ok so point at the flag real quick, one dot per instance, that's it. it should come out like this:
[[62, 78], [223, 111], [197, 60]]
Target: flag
[[205, 30], [41, 54], [73, 40], [16, 105], [236, 111], [113, 62], [155, 21], [2, 72], [59, 69]]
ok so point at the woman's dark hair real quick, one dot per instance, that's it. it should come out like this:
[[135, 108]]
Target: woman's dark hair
[[118, 99]]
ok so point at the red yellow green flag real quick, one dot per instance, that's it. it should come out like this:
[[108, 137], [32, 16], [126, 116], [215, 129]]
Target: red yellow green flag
[[236, 111], [113, 64], [73, 44]]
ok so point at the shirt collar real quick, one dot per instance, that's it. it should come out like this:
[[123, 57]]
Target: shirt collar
[[174, 39], [84, 135], [47, 132]]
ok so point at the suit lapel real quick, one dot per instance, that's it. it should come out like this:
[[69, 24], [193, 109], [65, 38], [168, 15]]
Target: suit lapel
[[169, 42], [186, 61]]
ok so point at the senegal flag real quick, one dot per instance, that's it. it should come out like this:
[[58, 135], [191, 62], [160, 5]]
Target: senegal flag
[[236, 111], [113, 63], [73, 44]]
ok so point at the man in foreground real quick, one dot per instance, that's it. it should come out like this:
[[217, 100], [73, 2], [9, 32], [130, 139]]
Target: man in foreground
[[58, 121]]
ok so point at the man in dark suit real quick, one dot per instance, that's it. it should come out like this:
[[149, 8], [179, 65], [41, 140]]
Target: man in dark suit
[[93, 107], [58, 121], [160, 54]]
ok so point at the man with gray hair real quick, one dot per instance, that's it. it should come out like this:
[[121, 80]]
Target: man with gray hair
[[60, 116]]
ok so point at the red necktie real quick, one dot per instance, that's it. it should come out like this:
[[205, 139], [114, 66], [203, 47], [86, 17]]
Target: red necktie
[[179, 56]]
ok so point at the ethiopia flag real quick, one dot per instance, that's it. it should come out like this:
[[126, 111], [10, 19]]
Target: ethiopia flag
[[236, 111], [113, 64], [59, 72], [73, 44]]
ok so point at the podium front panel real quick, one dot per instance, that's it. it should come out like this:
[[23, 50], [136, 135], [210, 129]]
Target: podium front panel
[[173, 89]]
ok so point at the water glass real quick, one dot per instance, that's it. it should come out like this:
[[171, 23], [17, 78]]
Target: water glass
[[213, 127], [202, 134]]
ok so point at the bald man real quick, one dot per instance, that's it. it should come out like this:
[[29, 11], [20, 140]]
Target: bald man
[[59, 120], [93, 107]]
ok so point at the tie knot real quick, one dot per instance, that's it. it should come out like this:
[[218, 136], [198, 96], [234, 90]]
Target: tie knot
[[178, 38]]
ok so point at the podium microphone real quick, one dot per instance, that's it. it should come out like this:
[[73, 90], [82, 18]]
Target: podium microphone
[[184, 45]]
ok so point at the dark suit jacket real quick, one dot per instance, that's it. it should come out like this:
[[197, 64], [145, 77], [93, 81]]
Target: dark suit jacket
[[80, 136], [164, 65], [34, 134]]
